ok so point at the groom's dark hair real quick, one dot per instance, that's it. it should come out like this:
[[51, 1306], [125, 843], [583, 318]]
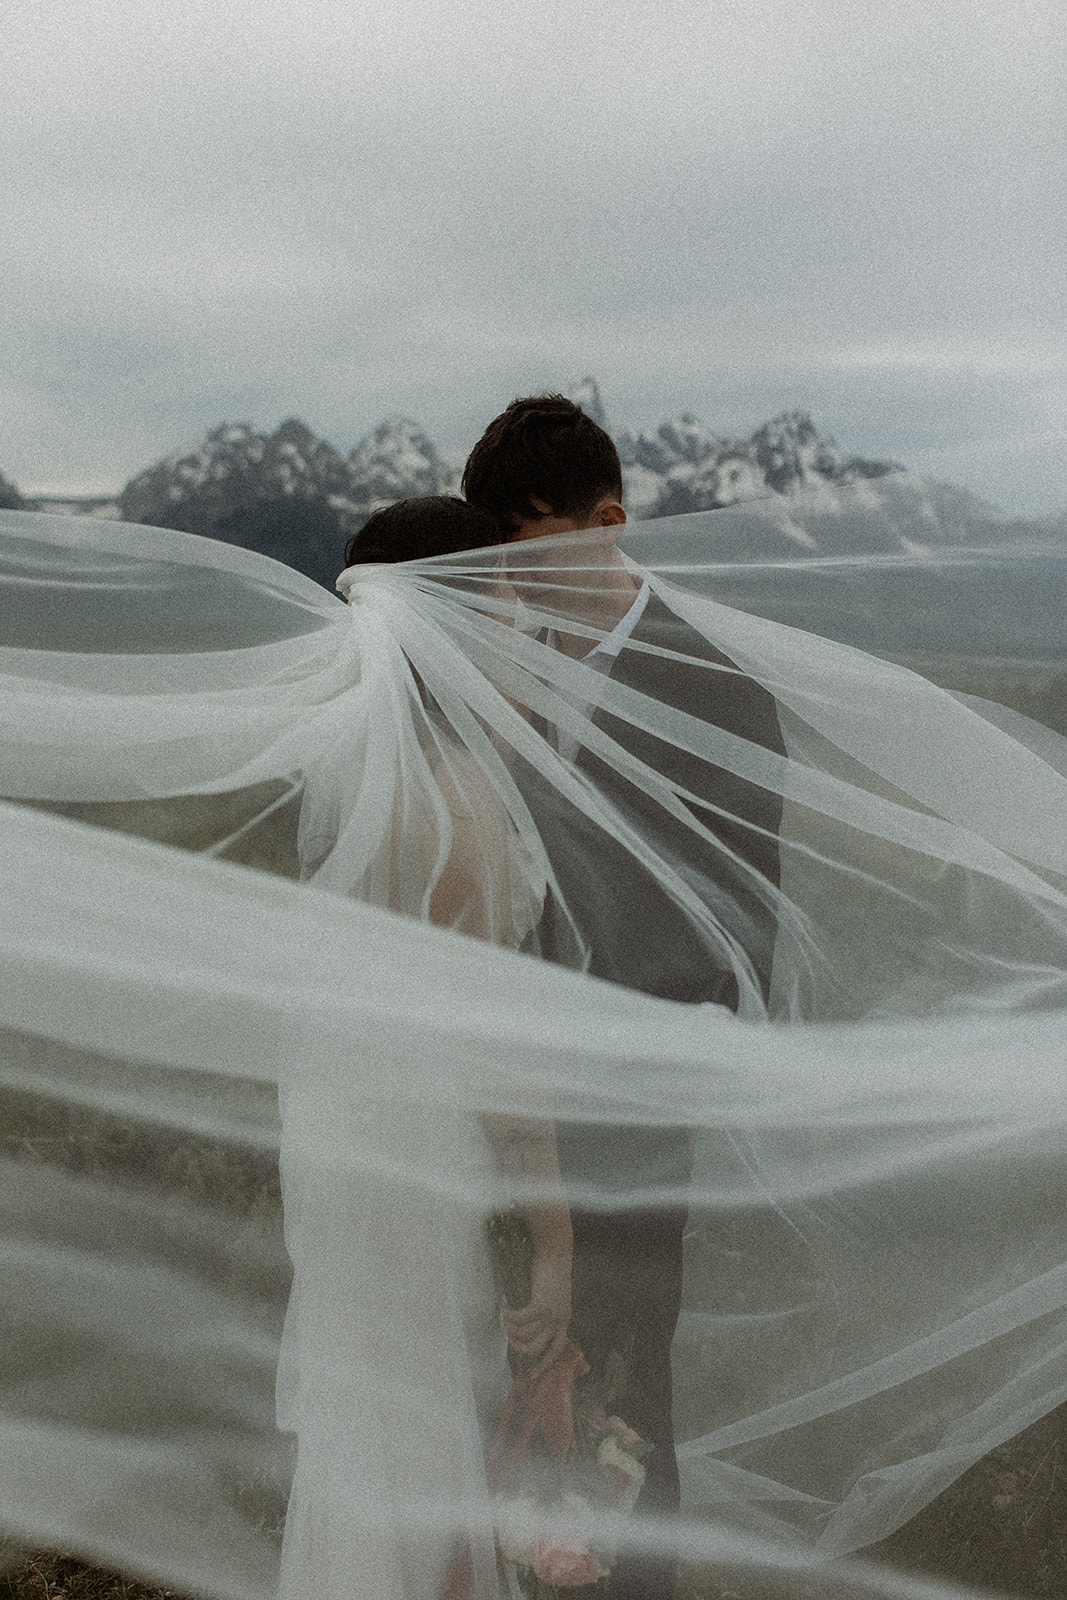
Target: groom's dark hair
[[542, 448]]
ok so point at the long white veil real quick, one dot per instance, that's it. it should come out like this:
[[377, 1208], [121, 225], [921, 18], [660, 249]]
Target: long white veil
[[839, 887]]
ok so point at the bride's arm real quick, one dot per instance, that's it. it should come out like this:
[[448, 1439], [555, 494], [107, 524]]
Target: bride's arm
[[472, 895], [465, 899]]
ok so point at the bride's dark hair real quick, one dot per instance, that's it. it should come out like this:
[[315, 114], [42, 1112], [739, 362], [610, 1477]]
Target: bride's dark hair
[[414, 530]]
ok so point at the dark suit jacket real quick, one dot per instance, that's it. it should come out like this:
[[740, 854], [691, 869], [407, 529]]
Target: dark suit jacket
[[636, 934], [634, 931]]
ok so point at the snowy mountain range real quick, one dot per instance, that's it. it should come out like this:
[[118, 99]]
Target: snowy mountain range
[[684, 466], [293, 496], [234, 467], [288, 494], [681, 466]]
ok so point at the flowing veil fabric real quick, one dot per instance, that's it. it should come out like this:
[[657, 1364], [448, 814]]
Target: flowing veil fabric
[[872, 876]]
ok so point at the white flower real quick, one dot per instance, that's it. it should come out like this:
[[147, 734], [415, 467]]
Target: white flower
[[611, 1457], [518, 1527]]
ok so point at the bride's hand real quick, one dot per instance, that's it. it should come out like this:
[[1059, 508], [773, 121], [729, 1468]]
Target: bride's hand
[[539, 1329]]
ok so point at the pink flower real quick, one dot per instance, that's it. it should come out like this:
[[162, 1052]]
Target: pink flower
[[565, 1564]]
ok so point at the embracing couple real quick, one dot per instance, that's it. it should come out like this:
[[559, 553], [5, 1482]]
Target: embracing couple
[[607, 1266]]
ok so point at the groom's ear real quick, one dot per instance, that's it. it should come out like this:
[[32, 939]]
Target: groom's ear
[[609, 514]]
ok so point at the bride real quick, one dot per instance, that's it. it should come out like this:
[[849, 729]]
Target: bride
[[873, 1275]]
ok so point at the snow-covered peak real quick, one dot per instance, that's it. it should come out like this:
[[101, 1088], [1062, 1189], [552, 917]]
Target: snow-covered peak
[[683, 442], [587, 395], [396, 459], [792, 455], [287, 494], [689, 440], [233, 465]]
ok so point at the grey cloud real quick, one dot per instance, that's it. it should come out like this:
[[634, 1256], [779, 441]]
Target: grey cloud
[[785, 204]]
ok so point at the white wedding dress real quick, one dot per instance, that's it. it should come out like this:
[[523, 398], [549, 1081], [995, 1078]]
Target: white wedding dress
[[876, 1279]]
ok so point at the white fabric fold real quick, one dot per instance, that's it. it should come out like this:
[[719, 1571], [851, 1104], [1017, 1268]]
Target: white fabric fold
[[874, 1287]]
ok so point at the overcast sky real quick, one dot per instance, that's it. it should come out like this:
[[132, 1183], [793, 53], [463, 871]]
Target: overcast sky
[[240, 210]]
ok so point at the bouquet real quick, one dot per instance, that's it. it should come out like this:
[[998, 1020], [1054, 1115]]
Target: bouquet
[[563, 1467]]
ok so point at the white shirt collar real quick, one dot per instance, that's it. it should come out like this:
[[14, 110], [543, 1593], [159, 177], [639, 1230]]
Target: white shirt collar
[[601, 658], [606, 650], [610, 646]]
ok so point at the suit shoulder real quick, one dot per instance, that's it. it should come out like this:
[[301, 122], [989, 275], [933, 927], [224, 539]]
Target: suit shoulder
[[659, 625], [730, 699]]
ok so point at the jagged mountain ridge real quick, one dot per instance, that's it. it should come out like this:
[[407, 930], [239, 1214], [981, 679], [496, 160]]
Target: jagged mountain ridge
[[287, 494], [814, 498], [232, 467], [235, 466], [683, 466], [293, 496], [680, 467], [397, 459]]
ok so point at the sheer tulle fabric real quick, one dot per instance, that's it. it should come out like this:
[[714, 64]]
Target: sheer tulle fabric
[[840, 887]]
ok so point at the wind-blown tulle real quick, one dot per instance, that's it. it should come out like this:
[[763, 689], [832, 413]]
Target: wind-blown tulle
[[871, 868]]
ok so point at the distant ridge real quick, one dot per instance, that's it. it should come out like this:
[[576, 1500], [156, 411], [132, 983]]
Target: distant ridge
[[75, 505], [293, 496], [10, 499]]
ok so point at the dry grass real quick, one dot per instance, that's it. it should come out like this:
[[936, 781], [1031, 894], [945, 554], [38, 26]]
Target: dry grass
[[1001, 1527], [1003, 1524], [51, 1577]]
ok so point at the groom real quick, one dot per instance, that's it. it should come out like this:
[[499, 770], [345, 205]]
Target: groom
[[543, 467]]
